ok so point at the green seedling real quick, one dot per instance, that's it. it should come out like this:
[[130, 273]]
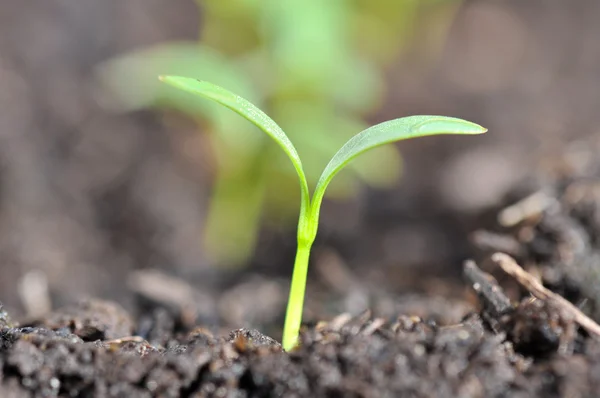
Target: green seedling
[[380, 134]]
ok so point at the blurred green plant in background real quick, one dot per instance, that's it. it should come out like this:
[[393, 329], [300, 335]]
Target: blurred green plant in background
[[316, 67]]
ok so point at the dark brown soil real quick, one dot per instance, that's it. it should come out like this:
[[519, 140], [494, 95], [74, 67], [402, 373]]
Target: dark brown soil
[[363, 356], [508, 343]]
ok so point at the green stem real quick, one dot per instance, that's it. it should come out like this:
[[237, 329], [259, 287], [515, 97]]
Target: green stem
[[293, 315]]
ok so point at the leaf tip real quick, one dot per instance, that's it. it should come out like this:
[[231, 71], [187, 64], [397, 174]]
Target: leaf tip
[[167, 78], [450, 125]]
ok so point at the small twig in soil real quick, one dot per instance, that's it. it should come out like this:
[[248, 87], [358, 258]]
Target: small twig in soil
[[375, 325], [492, 295], [535, 287], [34, 293], [528, 207], [337, 323], [334, 271], [141, 345], [171, 292]]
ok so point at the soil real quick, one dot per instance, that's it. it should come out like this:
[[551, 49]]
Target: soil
[[509, 343]]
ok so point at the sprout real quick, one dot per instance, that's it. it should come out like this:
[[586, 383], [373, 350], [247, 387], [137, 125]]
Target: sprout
[[380, 134]]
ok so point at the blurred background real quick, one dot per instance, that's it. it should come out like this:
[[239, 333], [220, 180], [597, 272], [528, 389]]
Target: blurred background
[[114, 186]]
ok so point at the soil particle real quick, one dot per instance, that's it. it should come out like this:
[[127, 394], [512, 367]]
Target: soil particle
[[538, 329], [5, 320]]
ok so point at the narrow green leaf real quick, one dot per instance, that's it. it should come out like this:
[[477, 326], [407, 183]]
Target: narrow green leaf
[[384, 133], [252, 114]]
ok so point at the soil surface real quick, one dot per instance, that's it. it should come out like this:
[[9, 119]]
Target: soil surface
[[535, 352], [509, 343]]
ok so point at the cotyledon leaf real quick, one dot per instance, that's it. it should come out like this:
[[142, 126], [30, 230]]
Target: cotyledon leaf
[[384, 133], [250, 112]]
